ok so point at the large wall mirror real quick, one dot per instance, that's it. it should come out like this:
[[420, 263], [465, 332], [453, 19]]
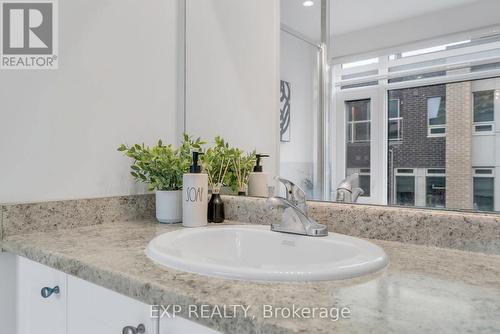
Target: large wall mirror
[[301, 111], [409, 116], [354, 100]]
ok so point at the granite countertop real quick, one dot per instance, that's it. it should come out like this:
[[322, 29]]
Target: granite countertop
[[423, 290]]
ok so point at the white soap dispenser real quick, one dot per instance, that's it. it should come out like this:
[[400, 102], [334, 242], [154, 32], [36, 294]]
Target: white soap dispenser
[[194, 195], [257, 180]]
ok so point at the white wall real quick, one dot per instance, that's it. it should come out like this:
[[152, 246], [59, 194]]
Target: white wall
[[232, 73], [116, 83], [298, 65]]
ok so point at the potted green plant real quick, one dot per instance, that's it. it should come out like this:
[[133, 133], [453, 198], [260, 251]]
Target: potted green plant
[[162, 167], [241, 166], [216, 163]]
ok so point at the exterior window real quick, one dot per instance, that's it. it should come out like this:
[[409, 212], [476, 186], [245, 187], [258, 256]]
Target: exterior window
[[484, 111], [358, 145], [364, 181], [395, 120], [483, 172], [358, 121], [484, 189], [435, 188], [436, 171], [405, 171], [405, 190], [436, 116], [404, 186]]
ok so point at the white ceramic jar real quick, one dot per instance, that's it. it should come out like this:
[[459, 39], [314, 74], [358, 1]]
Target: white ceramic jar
[[169, 206]]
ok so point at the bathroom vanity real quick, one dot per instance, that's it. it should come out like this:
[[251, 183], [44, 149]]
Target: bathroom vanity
[[392, 112], [73, 305], [104, 267]]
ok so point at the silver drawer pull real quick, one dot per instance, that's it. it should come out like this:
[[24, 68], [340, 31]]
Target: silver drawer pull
[[132, 330], [47, 292]]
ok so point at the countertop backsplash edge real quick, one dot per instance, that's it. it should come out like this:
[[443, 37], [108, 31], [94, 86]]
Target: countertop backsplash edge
[[48, 216], [476, 232]]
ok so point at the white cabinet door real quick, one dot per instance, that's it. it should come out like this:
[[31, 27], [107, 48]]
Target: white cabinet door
[[180, 325], [8, 281], [95, 310], [37, 314]]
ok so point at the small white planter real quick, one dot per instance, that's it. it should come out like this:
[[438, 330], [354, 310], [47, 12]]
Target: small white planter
[[169, 206]]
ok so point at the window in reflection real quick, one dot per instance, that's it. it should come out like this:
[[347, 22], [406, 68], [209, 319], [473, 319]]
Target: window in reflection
[[484, 189], [439, 133], [435, 195], [405, 188], [395, 120], [484, 110], [358, 135], [436, 114], [358, 121]]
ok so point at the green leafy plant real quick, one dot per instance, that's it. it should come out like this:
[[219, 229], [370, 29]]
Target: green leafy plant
[[216, 162], [241, 165], [161, 166]]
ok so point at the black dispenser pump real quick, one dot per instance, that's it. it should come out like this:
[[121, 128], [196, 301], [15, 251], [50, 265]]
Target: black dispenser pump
[[258, 168], [195, 168]]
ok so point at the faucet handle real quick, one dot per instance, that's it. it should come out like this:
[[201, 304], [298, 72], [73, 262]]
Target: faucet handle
[[294, 194]]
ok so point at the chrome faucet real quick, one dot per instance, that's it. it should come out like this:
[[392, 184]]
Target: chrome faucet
[[348, 190], [292, 212], [294, 194]]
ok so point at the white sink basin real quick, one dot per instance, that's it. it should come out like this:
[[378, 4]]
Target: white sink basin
[[254, 253]]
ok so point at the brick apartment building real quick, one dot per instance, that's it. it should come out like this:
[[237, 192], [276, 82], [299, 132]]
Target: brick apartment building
[[414, 152], [439, 139], [431, 138]]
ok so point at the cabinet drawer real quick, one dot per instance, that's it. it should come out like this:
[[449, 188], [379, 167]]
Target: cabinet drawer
[[94, 309], [36, 313]]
